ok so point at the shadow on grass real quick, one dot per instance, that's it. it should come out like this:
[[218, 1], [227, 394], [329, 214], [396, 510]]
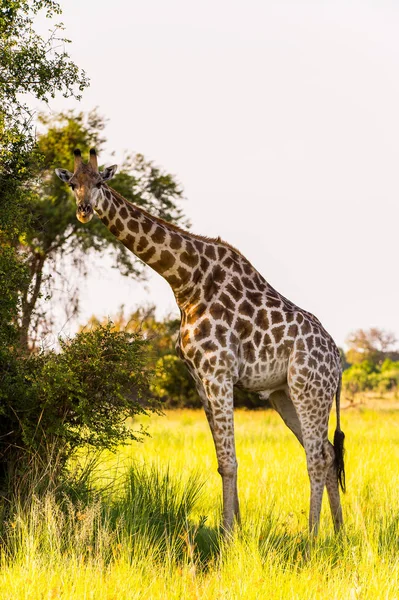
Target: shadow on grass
[[157, 507]]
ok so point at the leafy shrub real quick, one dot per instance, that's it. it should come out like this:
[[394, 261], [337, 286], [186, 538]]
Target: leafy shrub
[[77, 397]]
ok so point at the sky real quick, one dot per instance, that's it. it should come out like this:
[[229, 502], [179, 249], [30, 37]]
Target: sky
[[281, 122]]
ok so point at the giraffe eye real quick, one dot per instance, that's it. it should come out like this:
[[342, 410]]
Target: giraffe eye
[[72, 186]]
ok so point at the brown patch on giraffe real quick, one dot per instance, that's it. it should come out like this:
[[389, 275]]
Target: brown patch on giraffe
[[189, 259], [276, 317], [204, 263], [273, 302], [237, 294], [117, 201], [228, 262], [312, 364], [175, 241], [133, 225], [196, 312], [217, 310], [148, 254], [246, 308], [199, 246], [243, 328], [123, 212], [300, 345], [203, 330], [184, 275], [248, 283], [248, 269], [292, 331], [174, 281], [146, 225], [105, 205], [300, 358], [310, 342], [112, 212], [249, 352], [197, 358], [209, 346], [129, 241], [215, 389], [227, 301], [306, 328], [197, 275], [159, 235], [220, 334], [210, 252], [219, 274], [255, 297], [143, 243], [257, 337], [114, 230], [262, 320], [299, 318], [237, 267], [165, 262], [105, 221], [221, 252], [190, 247], [228, 316], [190, 352], [210, 288], [119, 225], [278, 333]]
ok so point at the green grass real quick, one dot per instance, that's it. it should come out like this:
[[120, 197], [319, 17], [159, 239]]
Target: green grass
[[153, 532]]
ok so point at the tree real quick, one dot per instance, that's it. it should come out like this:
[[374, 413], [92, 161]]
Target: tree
[[47, 400], [31, 65], [373, 345]]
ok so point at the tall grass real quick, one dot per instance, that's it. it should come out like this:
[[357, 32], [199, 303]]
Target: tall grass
[[151, 528]]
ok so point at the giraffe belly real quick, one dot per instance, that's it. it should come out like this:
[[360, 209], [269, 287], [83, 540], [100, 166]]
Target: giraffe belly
[[263, 376]]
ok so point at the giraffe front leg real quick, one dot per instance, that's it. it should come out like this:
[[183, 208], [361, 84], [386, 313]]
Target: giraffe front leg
[[217, 398]]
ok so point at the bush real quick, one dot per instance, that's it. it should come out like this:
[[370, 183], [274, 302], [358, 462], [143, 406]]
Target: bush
[[60, 402]]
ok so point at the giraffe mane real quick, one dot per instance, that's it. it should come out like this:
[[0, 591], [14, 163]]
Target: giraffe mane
[[174, 227]]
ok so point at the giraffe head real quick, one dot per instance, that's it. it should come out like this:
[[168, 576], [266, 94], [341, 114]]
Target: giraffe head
[[86, 182]]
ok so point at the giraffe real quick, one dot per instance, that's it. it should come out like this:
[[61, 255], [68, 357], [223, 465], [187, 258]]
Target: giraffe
[[236, 330]]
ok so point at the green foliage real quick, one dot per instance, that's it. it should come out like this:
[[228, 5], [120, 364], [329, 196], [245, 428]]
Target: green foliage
[[80, 396], [31, 65], [368, 377], [173, 383]]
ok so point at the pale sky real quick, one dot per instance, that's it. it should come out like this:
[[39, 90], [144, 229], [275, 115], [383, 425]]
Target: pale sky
[[280, 120]]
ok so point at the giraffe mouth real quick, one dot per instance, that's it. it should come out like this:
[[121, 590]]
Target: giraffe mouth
[[84, 213]]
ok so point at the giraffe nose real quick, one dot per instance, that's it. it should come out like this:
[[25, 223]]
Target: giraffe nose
[[84, 212], [85, 209]]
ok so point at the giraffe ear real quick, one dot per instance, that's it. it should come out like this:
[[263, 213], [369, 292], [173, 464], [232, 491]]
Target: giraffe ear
[[108, 172], [63, 174]]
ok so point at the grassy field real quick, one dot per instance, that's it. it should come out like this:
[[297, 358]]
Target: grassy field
[[153, 533]]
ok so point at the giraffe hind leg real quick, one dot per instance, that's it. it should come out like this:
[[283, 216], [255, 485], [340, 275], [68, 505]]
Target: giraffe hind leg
[[282, 403]]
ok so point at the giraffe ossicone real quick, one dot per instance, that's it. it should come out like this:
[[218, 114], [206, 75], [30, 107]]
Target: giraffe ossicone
[[236, 330]]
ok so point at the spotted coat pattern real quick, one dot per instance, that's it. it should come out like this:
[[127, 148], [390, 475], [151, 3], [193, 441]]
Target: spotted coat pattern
[[237, 330]]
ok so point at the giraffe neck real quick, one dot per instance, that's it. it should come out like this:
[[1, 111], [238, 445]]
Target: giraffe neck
[[171, 252]]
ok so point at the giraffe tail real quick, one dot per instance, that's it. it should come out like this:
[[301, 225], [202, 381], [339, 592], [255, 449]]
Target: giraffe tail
[[339, 437]]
